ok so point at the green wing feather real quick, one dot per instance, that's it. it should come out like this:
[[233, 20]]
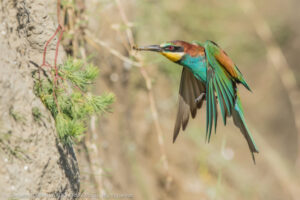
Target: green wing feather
[[211, 110], [220, 82]]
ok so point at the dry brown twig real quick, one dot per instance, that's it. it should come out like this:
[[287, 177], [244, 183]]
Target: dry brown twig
[[96, 43], [140, 64], [278, 60], [74, 12], [59, 30], [150, 95]]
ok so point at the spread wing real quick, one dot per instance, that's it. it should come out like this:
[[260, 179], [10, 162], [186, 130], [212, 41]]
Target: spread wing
[[221, 81], [190, 89], [222, 76]]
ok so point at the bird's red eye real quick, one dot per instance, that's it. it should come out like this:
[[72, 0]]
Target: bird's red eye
[[171, 48]]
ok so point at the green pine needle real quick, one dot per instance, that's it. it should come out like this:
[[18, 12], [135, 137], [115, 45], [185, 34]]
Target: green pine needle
[[81, 77], [100, 103], [75, 105]]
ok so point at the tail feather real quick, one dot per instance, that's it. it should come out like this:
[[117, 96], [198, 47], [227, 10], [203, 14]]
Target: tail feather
[[239, 121]]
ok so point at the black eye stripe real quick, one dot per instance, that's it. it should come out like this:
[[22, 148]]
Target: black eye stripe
[[173, 49]]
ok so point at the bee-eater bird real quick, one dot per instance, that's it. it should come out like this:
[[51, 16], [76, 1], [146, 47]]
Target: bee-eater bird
[[208, 74]]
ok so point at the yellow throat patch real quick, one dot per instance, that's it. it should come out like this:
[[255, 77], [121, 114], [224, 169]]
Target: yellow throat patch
[[173, 56]]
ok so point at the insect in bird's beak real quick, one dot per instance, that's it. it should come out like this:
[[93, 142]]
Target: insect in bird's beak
[[156, 48]]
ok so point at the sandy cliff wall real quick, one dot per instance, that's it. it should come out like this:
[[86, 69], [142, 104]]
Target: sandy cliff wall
[[32, 160]]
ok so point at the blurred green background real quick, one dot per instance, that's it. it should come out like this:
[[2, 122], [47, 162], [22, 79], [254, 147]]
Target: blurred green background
[[122, 152]]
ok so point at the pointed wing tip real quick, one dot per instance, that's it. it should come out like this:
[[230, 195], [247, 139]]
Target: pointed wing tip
[[174, 138], [175, 135], [194, 113], [253, 157]]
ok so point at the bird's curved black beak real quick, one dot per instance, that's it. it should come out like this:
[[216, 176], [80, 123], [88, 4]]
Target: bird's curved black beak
[[156, 48]]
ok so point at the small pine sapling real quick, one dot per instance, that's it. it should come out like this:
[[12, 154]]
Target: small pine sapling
[[69, 101]]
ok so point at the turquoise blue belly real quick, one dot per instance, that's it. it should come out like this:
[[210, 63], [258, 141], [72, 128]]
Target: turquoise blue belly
[[197, 65]]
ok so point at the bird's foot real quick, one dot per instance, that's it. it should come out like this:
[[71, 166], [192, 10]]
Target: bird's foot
[[200, 97]]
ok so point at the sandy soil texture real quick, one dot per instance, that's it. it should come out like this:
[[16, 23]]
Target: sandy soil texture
[[27, 167]]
